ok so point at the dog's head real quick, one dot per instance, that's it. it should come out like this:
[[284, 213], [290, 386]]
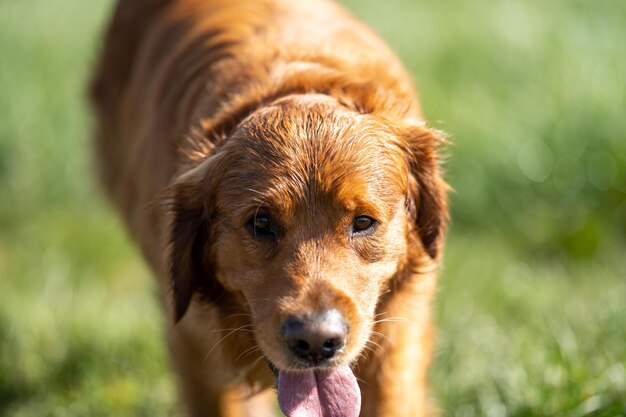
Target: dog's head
[[305, 217]]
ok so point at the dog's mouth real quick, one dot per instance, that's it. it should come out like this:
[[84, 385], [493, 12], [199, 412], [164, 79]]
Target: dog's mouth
[[318, 392], [272, 367]]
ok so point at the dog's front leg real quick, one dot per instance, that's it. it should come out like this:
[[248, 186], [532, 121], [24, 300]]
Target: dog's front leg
[[209, 386], [200, 389], [393, 371]]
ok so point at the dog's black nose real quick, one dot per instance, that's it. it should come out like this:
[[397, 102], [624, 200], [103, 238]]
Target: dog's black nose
[[315, 338]]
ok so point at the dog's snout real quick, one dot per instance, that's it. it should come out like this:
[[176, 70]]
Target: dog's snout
[[315, 338]]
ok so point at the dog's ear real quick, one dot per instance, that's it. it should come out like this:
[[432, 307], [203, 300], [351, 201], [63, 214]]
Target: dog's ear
[[190, 261], [427, 191]]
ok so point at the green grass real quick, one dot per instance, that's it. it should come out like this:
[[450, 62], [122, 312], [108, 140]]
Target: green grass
[[521, 337], [531, 307]]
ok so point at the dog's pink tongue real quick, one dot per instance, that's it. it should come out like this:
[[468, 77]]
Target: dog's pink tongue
[[331, 392]]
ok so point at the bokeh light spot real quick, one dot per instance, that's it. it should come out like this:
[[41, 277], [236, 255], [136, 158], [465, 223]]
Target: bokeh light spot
[[602, 170], [535, 159]]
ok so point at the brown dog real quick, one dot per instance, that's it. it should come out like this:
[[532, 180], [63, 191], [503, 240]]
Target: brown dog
[[270, 158]]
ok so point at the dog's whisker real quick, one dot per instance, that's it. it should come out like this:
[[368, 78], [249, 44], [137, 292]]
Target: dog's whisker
[[366, 352], [227, 330], [380, 314], [247, 352], [257, 361], [233, 331], [378, 345], [363, 355], [392, 320], [384, 336], [362, 381], [374, 343], [251, 352], [246, 328], [238, 315]]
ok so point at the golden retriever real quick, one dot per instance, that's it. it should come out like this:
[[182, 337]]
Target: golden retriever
[[271, 160]]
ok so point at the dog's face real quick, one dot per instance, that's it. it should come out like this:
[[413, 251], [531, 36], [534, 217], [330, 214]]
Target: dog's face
[[307, 214]]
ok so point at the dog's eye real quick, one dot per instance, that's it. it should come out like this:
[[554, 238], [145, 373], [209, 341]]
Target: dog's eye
[[362, 223], [262, 223], [261, 226]]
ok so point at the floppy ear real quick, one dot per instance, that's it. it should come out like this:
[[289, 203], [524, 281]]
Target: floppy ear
[[190, 263], [427, 191]]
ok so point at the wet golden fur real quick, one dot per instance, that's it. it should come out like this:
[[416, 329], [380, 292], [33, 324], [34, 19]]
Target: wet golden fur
[[209, 111]]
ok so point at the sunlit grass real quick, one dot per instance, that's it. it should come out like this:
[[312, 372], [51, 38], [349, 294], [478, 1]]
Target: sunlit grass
[[523, 337], [80, 328]]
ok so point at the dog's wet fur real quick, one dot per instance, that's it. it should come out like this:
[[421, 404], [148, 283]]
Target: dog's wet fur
[[271, 161]]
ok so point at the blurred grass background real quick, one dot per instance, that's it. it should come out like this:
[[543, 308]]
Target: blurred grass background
[[532, 301]]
